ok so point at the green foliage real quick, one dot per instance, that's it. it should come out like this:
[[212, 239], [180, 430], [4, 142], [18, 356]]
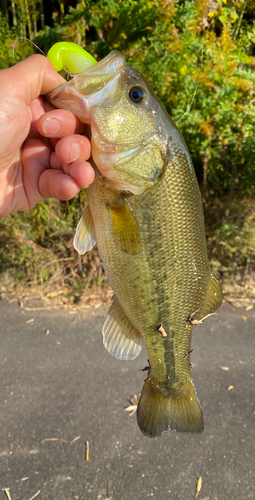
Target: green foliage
[[233, 244], [197, 56], [203, 73], [37, 246], [6, 35], [232, 250]]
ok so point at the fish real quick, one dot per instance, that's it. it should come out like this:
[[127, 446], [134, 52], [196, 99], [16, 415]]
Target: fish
[[145, 214]]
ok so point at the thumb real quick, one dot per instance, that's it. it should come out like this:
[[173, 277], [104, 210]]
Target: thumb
[[30, 78]]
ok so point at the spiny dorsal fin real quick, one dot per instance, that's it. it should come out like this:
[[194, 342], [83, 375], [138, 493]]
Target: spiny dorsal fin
[[120, 338], [213, 297], [124, 226], [85, 239]]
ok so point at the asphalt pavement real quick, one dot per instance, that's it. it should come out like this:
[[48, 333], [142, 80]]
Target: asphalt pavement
[[62, 397]]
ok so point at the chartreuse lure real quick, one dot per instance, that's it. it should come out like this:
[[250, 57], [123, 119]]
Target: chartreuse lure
[[70, 55]]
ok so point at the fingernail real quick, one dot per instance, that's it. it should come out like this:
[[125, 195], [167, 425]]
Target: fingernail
[[51, 126], [75, 151]]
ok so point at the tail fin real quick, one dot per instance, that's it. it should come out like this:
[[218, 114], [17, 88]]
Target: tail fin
[[157, 413]]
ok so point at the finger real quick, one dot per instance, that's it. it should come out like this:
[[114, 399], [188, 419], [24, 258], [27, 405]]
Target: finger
[[57, 184], [59, 123], [82, 172], [39, 180], [31, 77], [72, 148], [37, 110], [35, 158], [55, 162]]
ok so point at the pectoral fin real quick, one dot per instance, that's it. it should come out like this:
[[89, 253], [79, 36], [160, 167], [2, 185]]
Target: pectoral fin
[[213, 297], [120, 338], [124, 226], [85, 239]]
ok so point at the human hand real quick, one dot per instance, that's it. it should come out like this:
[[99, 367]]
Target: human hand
[[42, 154]]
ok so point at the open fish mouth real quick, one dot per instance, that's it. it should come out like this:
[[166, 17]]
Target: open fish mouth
[[95, 86]]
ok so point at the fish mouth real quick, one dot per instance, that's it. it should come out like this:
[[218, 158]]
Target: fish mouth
[[95, 86]]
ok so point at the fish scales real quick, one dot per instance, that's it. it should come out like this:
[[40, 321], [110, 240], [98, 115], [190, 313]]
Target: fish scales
[[145, 213], [157, 286]]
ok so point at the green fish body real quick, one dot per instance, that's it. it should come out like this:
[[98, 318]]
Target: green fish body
[[145, 213]]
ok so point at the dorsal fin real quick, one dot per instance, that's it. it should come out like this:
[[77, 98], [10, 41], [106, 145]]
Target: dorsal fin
[[85, 239], [120, 338], [213, 297]]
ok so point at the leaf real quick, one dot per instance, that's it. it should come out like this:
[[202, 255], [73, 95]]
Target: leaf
[[7, 492], [244, 318], [199, 486], [225, 368], [248, 308], [132, 408]]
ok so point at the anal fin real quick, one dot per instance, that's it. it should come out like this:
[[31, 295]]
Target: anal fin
[[120, 338]]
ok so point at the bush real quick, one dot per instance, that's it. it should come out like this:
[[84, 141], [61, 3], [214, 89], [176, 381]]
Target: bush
[[199, 58]]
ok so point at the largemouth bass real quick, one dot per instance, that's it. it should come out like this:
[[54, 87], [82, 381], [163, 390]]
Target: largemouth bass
[[145, 213]]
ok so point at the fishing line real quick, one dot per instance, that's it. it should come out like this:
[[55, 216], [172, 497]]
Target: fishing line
[[24, 38], [201, 67], [69, 74]]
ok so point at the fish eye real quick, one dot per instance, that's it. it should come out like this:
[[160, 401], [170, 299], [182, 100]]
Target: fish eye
[[136, 94]]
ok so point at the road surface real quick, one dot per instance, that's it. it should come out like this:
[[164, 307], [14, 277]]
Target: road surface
[[59, 389]]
